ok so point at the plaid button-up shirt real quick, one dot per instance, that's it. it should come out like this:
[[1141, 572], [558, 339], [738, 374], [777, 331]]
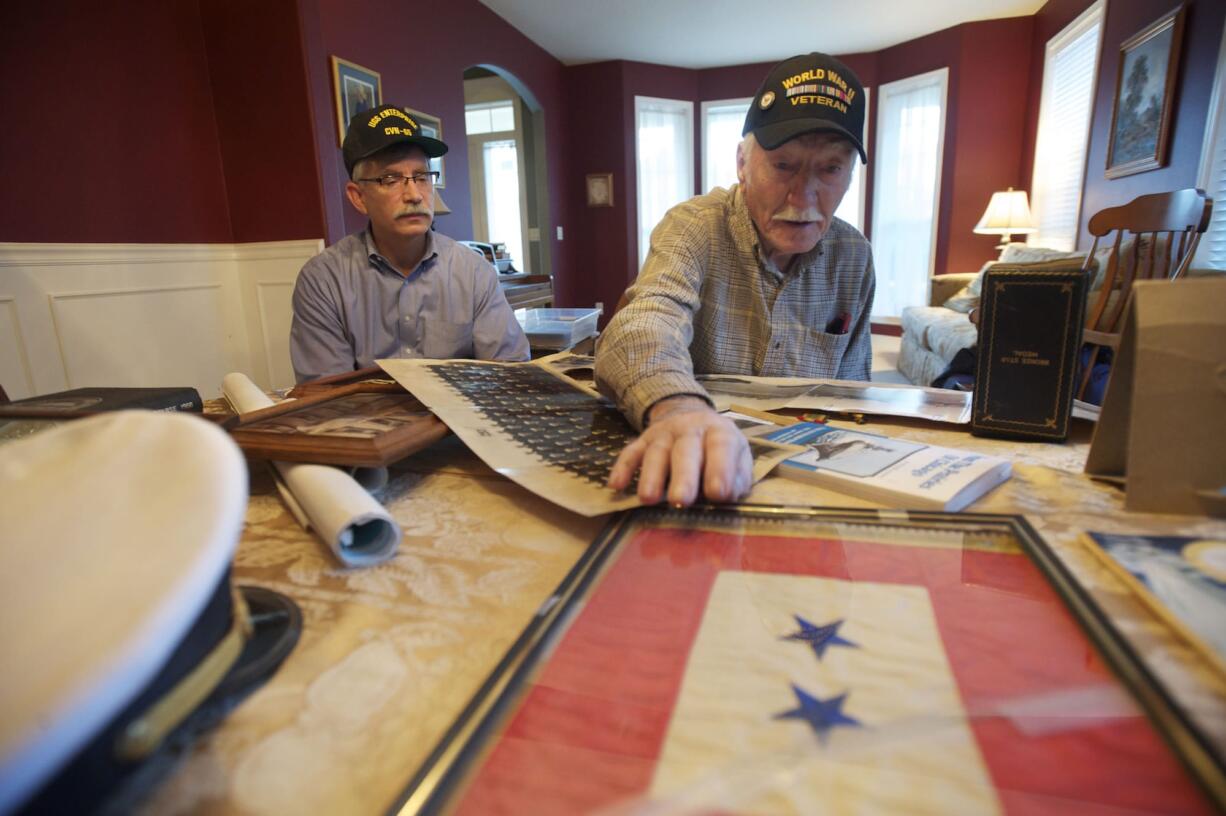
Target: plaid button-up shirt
[[708, 301]]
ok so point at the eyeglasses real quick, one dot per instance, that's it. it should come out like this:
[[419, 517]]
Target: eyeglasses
[[395, 182]]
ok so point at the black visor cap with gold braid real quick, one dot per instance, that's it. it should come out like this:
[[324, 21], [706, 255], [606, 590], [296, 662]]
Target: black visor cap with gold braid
[[807, 94], [236, 643]]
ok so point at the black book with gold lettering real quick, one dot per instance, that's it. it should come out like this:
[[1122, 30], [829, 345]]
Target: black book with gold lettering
[[1029, 337], [87, 401]]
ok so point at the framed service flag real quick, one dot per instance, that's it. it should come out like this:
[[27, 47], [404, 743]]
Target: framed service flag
[[794, 660]]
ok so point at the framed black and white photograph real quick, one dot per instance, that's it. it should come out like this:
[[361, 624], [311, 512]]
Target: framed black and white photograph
[[431, 126], [356, 89], [367, 424], [600, 189], [1144, 97]]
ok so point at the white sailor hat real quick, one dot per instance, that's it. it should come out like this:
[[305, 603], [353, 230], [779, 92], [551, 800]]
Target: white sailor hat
[[120, 633]]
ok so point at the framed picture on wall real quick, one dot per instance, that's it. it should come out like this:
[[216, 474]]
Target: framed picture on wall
[[1145, 96], [431, 126], [600, 189], [356, 88]]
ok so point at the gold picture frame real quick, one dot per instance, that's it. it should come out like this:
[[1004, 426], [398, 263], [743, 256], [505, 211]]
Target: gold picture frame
[[1145, 97], [600, 189], [366, 423], [355, 88], [431, 126]]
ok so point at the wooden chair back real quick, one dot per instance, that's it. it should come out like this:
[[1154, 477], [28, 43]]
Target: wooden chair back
[[1165, 229]]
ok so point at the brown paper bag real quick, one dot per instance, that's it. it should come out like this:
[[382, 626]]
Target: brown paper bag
[[1163, 423]]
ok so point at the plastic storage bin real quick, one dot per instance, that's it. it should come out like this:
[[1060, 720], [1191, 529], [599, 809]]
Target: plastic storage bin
[[557, 328]]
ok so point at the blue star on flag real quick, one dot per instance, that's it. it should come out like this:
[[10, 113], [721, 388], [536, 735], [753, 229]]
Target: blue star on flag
[[819, 637], [821, 715]]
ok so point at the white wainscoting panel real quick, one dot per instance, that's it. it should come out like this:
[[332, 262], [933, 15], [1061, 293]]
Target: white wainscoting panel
[[274, 300], [146, 314], [15, 373], [105, 335]]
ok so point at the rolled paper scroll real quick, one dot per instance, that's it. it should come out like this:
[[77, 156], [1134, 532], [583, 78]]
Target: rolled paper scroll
[[358, 529]]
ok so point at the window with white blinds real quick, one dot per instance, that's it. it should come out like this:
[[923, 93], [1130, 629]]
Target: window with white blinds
[[1069, 71], [664, 160], [906, 188], [721, 133], [1212, 250]]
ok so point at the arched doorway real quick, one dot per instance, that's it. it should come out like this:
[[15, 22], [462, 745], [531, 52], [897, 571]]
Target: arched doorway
[[508, 171]]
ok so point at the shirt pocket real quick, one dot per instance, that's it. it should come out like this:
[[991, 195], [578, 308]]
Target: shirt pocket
[[823, 354], [444, 340]]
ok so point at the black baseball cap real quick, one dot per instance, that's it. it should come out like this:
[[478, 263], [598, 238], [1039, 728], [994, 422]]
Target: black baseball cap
[[807, 93], [377, 128]]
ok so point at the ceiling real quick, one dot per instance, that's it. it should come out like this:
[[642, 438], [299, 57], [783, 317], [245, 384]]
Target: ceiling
[[710, 33]]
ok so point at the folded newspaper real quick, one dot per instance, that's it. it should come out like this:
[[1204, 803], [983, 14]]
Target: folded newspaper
[[538, 427], [838, 396]]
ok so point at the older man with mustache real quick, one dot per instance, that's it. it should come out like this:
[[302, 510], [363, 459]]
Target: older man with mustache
[[760, 279], [397, 288]]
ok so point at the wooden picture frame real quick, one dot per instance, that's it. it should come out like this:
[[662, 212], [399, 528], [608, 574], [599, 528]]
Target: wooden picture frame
[[366, 424], [647, 633], [355, 88], [432, 126], [1145, 97], [600, 189]]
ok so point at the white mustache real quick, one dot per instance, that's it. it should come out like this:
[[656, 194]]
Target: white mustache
[[793, 214], [419, 210]]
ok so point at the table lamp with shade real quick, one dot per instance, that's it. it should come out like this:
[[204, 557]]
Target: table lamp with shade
[[1008, 213], [440, 206]]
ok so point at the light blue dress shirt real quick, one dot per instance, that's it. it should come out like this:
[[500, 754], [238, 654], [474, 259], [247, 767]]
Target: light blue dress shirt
[[352, 307]]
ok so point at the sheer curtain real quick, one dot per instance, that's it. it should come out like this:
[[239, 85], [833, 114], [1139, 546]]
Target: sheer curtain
[[1069, 70], [721, 133], [502, 196], [910, 139], [664, 151]]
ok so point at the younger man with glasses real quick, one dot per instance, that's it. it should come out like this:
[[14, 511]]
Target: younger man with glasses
[[396, 289]]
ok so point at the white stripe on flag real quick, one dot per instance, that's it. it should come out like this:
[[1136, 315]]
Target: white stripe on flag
[[911, 751]]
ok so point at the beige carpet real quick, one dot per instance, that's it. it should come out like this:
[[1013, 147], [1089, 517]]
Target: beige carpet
[[885, 360]]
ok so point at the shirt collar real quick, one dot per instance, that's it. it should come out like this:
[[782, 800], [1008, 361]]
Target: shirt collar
[[380, 262]]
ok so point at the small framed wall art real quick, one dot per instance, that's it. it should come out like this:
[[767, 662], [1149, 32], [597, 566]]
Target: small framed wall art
[[431, 126], [367, 423], [356, 89], [600, 189], [1145, 97]]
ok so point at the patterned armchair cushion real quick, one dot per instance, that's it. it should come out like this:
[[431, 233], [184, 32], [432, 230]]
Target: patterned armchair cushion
[[939, 330], [968, 297]]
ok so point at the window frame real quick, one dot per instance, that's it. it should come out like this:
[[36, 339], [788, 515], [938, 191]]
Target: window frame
[[1214, 143], [704, 107], [883, 90], [1094, 14], [640, 102]]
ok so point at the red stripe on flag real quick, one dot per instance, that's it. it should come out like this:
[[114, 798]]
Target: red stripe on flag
[[589, 730]]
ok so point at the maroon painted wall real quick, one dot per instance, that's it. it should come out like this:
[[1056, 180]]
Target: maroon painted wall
[[599, 239], [109, 133], [263, 119], [187, 157], [995, 73]]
